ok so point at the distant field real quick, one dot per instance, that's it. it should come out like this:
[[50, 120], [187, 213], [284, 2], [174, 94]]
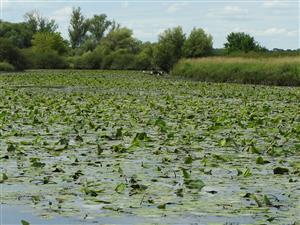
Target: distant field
[[119, 147], [284, 71]]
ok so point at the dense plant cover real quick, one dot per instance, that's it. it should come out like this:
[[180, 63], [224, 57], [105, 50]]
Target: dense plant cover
[[139, 149], [262, 70]]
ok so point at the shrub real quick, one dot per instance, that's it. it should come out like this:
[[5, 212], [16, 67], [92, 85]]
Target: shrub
[[89, 60], [242, 42], [46, 60], [11, 54], [273, 71], [5, 66]]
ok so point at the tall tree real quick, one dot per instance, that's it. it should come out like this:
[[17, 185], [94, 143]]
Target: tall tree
[[18, 33], [120, 39], [46, 41], [78, 28], [37, 23], [97, 26], [198, 44], [241, 41], [169, 48]]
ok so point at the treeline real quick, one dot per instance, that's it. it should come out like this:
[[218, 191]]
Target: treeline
[[101, 43]]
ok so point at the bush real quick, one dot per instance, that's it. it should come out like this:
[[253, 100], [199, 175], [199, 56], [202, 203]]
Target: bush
[[46, 60], [143, 62], [89, 60], [122, 60], [5, 66], [242, 42], [11, 54], [273, 71]]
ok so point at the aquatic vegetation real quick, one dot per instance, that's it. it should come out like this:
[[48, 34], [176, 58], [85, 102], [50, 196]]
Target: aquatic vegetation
[[282, 71], [91, 144]]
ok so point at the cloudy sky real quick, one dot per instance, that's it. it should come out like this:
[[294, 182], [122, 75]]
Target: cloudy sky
[[273, 23]]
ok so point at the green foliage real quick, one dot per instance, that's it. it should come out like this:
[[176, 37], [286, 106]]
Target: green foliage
[[197, 44], [120, 39], [122, 60], [273, 71], [18, 33], [46, 41], [5, 66], [120, 188], [144, 59], [37, 23], [11, 54], [118, 50], [24, 222], [241, 41], [39, 59], [280, 170], [98, 24], [200, 134], [89, 60], [169, 48], [78, 28]]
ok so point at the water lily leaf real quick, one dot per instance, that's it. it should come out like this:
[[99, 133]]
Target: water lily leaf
[[3, 177], [35, 162], [24, 222], [120, 188], [195, 184], [280, 170], [267, 201], [188, 160], [162, 206], [247, 173], [11, 148], [119, 133], [260, 160]]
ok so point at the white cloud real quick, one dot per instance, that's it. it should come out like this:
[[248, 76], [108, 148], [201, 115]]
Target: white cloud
[[63, 14], [294, 33], [273, 31], [230, 13], [125, 4], [275, 4], [175, 7]]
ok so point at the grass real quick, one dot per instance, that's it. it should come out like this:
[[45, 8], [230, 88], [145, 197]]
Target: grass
[[146, 149], [283, 71]]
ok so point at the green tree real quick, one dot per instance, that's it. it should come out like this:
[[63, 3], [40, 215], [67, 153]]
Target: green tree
[[11, 54], [18, 33], [118, 49], [169, 48], [120, 38], [97, 26], [37, 23], [241, 41], [144, 59], [78, 28], [197, 44], [45, 41]]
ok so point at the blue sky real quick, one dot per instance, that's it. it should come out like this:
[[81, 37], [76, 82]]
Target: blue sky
[[273, 23]]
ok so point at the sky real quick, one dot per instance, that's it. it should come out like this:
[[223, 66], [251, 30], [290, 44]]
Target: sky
[[273, 23]]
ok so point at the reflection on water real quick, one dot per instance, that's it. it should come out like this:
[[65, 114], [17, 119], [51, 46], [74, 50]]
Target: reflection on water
[[13, 214]]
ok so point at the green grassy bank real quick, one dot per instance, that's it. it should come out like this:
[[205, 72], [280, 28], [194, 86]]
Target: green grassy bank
[[271, 71]]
